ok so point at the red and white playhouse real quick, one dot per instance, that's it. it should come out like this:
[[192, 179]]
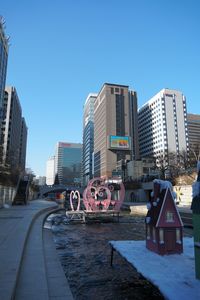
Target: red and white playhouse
[[164, 227]]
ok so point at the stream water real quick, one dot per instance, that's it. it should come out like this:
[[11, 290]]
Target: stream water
[[85, 253]]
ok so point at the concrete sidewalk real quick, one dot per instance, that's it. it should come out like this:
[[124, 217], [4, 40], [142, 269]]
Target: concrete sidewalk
[[21, 233]]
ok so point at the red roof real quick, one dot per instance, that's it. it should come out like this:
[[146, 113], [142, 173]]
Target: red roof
[[156, 204], [169, 215]]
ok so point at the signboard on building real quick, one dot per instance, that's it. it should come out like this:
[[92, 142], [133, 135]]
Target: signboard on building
[[119, 142]]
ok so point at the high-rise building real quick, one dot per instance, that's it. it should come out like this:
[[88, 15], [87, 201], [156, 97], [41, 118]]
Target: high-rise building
[[88, 138], [39, 180], [162, 123], [115, 129], [50, 171], [14, 130], [193, 121], [23, 144], [68, 163], [3, 66]]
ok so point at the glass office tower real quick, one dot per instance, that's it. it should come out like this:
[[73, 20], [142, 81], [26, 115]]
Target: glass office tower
[[68, 163], [88, 139]]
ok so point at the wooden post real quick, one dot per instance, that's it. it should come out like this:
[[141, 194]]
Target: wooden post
[[111, 256]]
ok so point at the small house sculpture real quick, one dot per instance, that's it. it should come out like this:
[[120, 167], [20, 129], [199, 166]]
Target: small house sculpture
[[163, 223], [196, 220]]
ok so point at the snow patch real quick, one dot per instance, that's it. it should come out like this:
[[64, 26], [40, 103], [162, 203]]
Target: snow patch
[[148, 205], [6, 205], [164, 184], [174, 195], [148, 219], [174, 275]]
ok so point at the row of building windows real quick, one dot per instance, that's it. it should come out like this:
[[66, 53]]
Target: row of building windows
[[116, 91]]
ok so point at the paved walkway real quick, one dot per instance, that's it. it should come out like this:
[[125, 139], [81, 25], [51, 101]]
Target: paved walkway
[[29, 266]]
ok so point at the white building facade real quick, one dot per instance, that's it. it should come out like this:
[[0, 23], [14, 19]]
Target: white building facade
[[50, 171], [162, 124]]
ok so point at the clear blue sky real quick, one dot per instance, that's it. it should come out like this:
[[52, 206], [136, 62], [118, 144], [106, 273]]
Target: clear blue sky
[[62, 50]]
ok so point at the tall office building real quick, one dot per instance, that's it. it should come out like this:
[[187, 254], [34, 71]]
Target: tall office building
[[162, 123], [14, 130], [23, 144], [68, 162], [50, 171], [3, 66], [115, 129], [88, 138], [39, 180], [193, 121]]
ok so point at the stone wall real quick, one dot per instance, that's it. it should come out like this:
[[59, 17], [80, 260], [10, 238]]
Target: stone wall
[[6, 195], [138, 195], [184, 194]]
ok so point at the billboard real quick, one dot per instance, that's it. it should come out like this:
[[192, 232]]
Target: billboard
[[119, 142]]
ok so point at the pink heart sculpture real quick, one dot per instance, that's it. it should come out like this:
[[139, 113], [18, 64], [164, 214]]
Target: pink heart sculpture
[[75, 195], [98, 196]]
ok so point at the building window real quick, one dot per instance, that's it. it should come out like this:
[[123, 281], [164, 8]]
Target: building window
[[154, 235], [112, 90], [148, 232], [161, 236], [169, 217], [178, 236]]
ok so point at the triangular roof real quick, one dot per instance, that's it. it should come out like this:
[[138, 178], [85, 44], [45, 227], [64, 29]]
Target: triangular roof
[[156, 204], [169, 205]]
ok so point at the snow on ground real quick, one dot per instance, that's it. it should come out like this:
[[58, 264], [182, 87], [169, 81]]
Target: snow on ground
[[174, 275]]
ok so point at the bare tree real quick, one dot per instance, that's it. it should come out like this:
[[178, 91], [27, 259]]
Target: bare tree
[[9, 171], [194, 153], [169, 165], [162, 165], [184, 160]]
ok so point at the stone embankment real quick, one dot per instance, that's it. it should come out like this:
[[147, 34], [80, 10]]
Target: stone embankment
[[141, 209], [29, 266]]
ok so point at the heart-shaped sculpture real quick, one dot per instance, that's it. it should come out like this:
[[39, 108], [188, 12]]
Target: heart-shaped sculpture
[[98, 196], [75, 196]]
